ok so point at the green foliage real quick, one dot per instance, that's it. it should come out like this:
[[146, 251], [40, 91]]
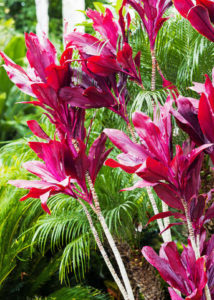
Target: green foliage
[[183, 55], [27, 235], [78, 293], [67, 229], [12, 116], [23, 12]]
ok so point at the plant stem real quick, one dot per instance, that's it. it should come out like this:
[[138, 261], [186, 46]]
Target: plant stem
[[195, 245], [166, 235], [166, 222], [153, 76], [155, 208], [190, 229], [110, 239], [207, 292], [103, 252]]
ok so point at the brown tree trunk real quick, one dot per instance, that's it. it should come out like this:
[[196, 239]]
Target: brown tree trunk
[[144, 278]]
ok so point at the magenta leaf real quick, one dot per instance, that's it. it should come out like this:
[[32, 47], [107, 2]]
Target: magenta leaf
[[37, 130], [123, 142], [162, 265], [165, 215], [183, 6], [97, 155], [168, 195], [40, 54], [105, 25], [199, 18], [153, 171], [88, 98], [87, 44], [18, 75], [103, 65], [174, 295], [209, 5], [114, 164]]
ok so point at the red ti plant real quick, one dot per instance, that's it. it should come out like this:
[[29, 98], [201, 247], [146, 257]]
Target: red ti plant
[[175, 180], [200, 15], [67, 165], [196, 117], [64, 168], [107, 62], [151, 13], [67, 169], [183, 272]]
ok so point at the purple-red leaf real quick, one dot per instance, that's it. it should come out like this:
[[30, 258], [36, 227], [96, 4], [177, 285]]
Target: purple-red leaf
[[40, 54], [166, 214], [103, 65], [105, 25], [18, 75], [37, 130], [200, 20]]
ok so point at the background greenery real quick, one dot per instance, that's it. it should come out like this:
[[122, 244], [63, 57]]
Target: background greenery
[[55, 256]]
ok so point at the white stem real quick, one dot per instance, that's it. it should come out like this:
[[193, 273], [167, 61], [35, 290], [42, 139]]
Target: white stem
[[111, 241], [166, 221], [167, 234], [154, 206], [42, 18], [72, 14], [207, 292], [104, 254], [153, 76]]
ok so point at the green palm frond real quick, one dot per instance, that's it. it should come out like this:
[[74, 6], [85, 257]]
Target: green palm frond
[[78, 292], [183, 55], [121, 208], [67, 229], [144, 100]]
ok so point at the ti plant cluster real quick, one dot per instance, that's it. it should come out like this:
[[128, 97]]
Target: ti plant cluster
[[68, 166]]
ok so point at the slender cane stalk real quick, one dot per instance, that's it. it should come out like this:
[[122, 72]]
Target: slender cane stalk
[[153, 76], [110, 239], [194, 243], [103, 252], [166, 235], [191, 231], [155, 208], [166, 222]]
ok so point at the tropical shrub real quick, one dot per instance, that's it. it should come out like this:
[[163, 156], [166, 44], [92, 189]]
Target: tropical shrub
[[71, 160]]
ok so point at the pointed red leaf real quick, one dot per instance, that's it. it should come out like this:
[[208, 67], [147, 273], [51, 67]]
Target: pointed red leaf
[[200, 20], [37, 130], [166, 214], [209, 4], [183, 6], [168, 195], [103, 65]]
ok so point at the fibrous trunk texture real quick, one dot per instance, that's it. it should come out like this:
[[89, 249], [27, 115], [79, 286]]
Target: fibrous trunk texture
[[145, 280]]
